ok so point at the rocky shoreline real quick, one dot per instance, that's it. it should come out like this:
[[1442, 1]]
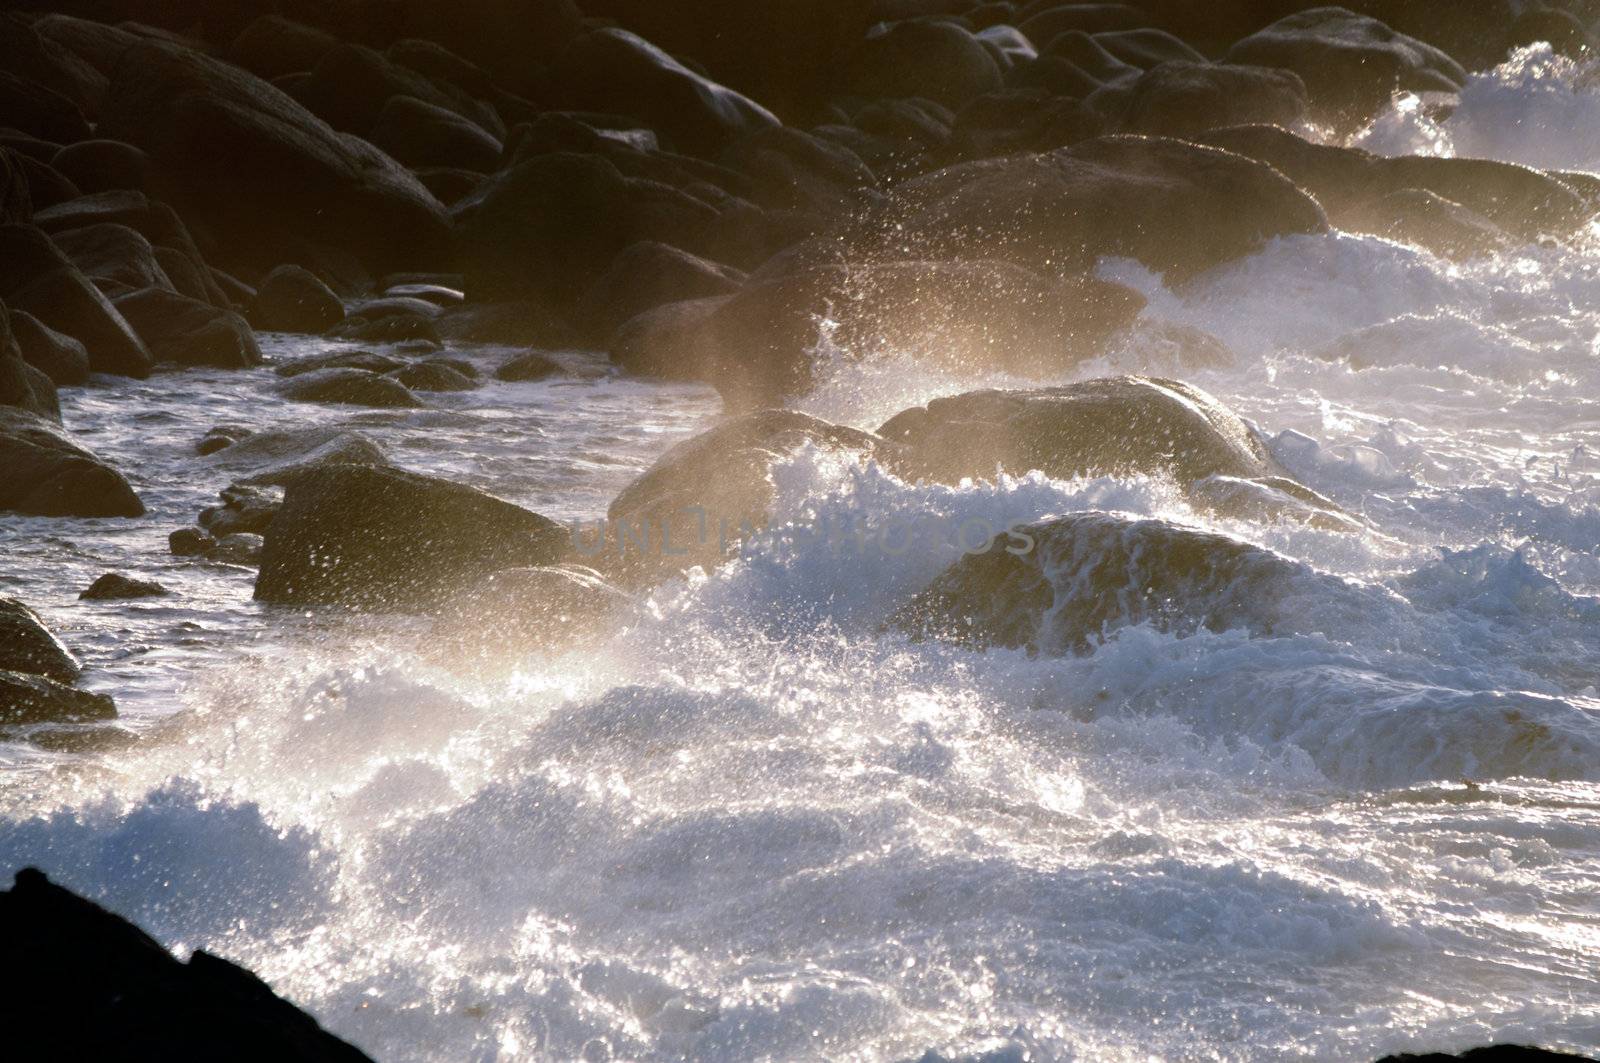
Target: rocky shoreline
[[703, 196]]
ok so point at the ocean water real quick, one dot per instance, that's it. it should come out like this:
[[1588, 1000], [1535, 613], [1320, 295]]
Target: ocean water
[[756, 824]]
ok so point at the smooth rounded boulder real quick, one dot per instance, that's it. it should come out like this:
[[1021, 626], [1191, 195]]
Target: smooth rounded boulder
[[36, 277], [30, 647], [48, 475], [1177, 207], [647, 275], [293, 299], [61, 358], [103, 166], [1179, 99], [932, 59], [422, 134], [382, 538], [188, 332], [351, 387]]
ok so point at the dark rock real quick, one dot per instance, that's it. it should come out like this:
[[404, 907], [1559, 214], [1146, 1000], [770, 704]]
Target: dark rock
[[554, 223], [115, 257], [934, 60], [47, 475], [1119, 426], [531, 365], [793, 170], [433, 376], [191, 542], [647, 275], [371, 361], [221, 437], [47, 186], [276, 456], [99, 45], [423, 134], [237, 548], [16, 200], [31, 57], [388, 328], [354, 387], [351, 84], [1415, 216], [1005, 123], [305, 185], [508, 38], [273, 45], [449, 184], [1177, 207], [244, 510], [155, 221], [757, 346], [59, 357], [115, 586], [394, 306], [83, 983], [1089, 55], [34, 699], [22, 386], [1147, 48], [292, 299], [1181, 98], [1491, 1054], [37, 278], [437, 294], [1351, 64], [29, 647], [189, 332], [40, 111], [1059, 586], [1046, 22], [383, 538], [700, 498], [1522, 201]]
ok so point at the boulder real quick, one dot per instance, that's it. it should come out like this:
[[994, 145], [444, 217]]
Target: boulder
[[518, 611], [371, 361], [34, 699], [508, 38], [155, 221], [1090, 56], [191, 542], [115, 257], [700, 498], [16, 200], [34, 58], [1147, 48], [790, 169], [529, 323], [37, 278], [22, 386], [351, 84], [272, 46], [292, 299], [404, 327], [1351, 64], [382, 538], [1117, 426], [245, 510], [1046, 21], [617, 72], [47, 186], [1061, 585], [433, 376], [113, 586], [1180, 98], [103, 166], [352, 387], [41, 111], [935, 60], [1427, 220], [29, 647], [530, 365], [647, 275], [757, 347], [305, 185], [61, 358], [553, 224], [239, 548], [1177, 207], [48, 475], [189, 332], [423, 134], [83, 983]]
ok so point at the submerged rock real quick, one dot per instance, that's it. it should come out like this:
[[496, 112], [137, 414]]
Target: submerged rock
[[34, 699], [82, 983], [382, 538], [114, 585], [351, 387]]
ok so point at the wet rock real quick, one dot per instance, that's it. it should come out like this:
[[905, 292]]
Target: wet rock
[[307, 185], [48, 475], [188, 332], [648, 275], [23, 386], [1045, 22], [114, 586], [1427, 220], [1181, 98], [67, 958], [239, 548], [37, 278], [703, 495], [433, 376], [115, 257], [273, 45], [29, 647], [353, 387], [191, 542], [1351, 64], [1147, 48], [519, 611], [1059, 586], [389, 539], [292, 299], [244, 509], [221, 438], [34, 699], [388, 328], [530, 365], [527, 323], [371, 361], [757, 346], [1177, 207], [935, 60], [278, 456], [351, 85], [1490, 1054], [789, 169], [424, 134], [103, 166], [155, 221], [59, 357]]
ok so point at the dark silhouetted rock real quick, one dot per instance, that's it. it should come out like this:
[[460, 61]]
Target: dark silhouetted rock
[[48, 475], [1046, 22], [114, 586], [304, 185], [423, 134], [1180, 98], [29, 647], [59, 357], [115, 257], [272, 46], [433, 376], [292, 299], [82, 983], [1351, 64], [647, 275], [351, 85], [1491, 1054], [934, 60], [383, 538], [189, 332], [531, 365], [191, 542], [40, 111], [1177, 207], [34, 699], [36, 277], [353, 387], [16, 201]]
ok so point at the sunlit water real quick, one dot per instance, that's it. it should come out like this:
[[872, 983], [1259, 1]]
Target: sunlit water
[[756, 825]]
